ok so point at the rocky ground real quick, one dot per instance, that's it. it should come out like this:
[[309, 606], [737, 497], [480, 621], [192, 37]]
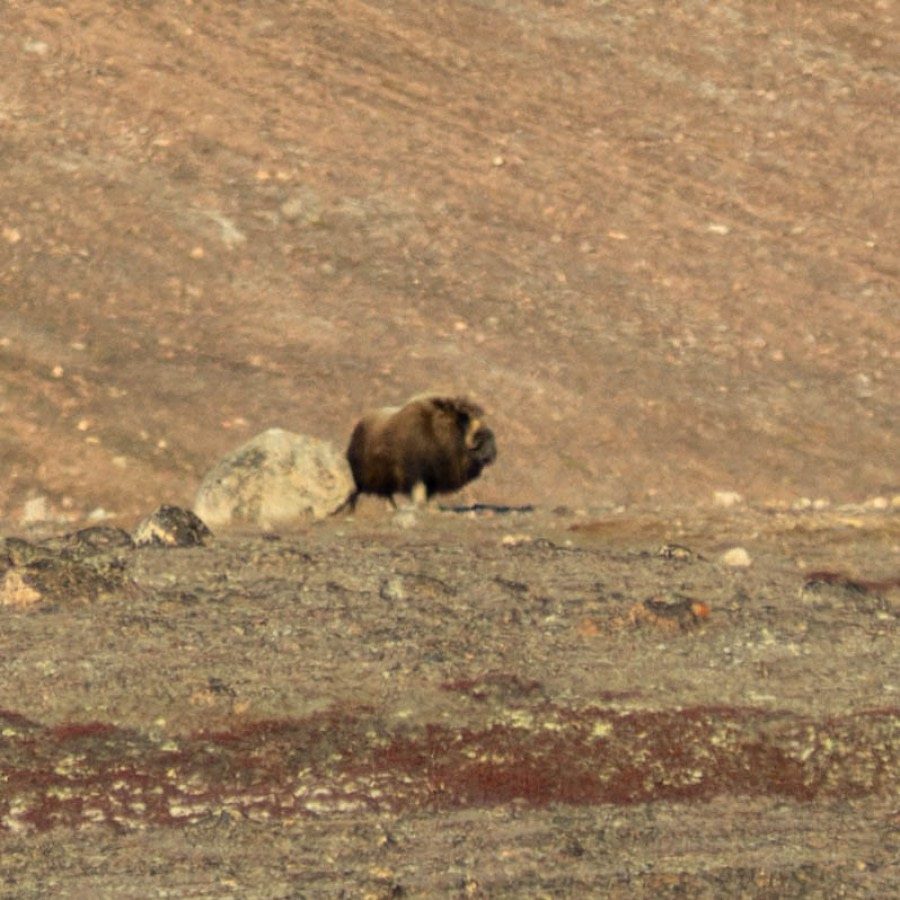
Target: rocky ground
[[658, 242], [457, 703]]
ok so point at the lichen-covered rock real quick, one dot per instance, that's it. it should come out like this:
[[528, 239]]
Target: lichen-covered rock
[[82, 566], [172, 526], [88, 542], [277, 478]]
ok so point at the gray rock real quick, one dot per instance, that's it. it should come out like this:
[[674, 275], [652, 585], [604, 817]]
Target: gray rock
[[277, 478]]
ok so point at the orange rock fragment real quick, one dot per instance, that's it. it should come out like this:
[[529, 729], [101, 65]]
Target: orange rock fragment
[[587, 628], [681, 614], [15, 591]]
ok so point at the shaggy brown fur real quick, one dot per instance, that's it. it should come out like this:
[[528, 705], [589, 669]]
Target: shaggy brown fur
[[430, 445]]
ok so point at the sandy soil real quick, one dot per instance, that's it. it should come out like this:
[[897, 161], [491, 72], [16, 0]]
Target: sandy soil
[[657, 240]]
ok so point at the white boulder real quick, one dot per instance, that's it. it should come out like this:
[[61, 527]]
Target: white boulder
[[277, 478]]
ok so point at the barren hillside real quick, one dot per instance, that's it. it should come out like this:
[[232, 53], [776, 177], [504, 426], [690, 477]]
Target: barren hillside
[[658, 240]]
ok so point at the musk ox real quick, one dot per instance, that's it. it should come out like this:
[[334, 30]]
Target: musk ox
[[430, 445]]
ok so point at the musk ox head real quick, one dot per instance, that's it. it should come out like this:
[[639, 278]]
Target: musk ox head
[[430, 445]]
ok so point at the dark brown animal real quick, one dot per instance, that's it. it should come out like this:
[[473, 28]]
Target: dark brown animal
[[430, 445]]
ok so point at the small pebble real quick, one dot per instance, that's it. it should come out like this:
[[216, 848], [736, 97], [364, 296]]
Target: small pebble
[[737, 557], [35, 511], [38, 48]]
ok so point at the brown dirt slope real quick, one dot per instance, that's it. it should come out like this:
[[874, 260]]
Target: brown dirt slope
[[659, 239]]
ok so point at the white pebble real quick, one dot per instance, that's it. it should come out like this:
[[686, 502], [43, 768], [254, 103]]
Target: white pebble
[[737, 557], [34, 511], [38, 48]]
